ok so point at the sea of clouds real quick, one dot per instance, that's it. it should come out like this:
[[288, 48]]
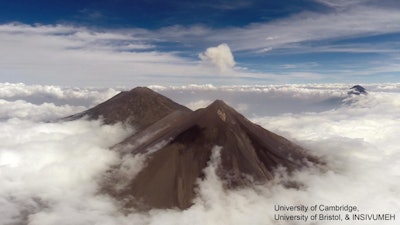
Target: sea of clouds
[[50, 169]]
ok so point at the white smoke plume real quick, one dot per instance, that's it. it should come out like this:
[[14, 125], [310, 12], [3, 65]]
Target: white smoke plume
[[49, 172], [219, 56]]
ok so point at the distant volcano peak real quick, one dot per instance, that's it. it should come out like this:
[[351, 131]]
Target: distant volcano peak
[[357, 90]]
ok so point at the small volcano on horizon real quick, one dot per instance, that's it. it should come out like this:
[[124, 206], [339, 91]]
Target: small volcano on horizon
[[357, 90], [178, 144]]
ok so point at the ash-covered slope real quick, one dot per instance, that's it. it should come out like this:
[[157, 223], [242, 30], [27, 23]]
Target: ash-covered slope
[[138, 107], [179, 146]]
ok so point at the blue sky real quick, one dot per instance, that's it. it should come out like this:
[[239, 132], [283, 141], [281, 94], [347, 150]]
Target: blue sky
[[143, 42]]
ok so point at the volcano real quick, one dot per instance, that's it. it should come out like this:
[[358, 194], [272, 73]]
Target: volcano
[[138, 107], [357, 90], [178, 143]]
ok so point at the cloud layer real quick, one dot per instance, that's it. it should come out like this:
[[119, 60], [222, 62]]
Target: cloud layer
[[50, 171]]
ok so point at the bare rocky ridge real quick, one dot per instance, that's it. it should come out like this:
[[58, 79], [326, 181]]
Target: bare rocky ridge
[[178, 143]]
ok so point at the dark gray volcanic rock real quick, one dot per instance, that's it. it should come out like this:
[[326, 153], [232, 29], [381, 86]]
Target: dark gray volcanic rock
[[138, 107], [179, 146]]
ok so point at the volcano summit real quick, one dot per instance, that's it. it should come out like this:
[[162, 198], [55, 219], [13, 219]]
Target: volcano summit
[[138, 107], [178, 144]]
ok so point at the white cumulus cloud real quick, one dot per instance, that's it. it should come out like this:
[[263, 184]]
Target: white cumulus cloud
[[220, 56]]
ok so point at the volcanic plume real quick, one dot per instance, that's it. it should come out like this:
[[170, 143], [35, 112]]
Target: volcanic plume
[[178, 144]]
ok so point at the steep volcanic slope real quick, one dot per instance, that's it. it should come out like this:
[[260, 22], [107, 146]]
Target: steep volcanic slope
[[139, 107], [179, 146]]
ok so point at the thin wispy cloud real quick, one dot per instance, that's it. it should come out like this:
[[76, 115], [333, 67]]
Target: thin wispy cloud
[[303, 27], [341, 3], [61, 53]]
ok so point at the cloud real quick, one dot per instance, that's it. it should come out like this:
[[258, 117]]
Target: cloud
[[257, 100], [47, 103], [76, 55], [43, 112], [354, 27], [70, 55], [297, 30], [219, 56], [50, 171], [73, 55], [341, 3], [358, 142], [80, 56], [308, 26], [38, 94]]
